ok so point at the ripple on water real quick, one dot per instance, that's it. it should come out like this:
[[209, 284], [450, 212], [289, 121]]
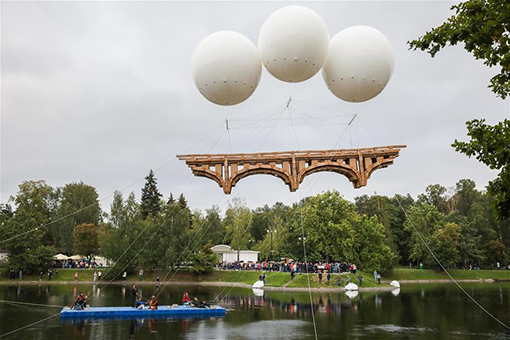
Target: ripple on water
[[395, 329], [267, 329]]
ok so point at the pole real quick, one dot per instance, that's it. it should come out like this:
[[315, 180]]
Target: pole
[[271, 253]]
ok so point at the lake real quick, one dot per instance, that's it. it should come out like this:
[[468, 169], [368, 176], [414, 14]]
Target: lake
[[416, 312]]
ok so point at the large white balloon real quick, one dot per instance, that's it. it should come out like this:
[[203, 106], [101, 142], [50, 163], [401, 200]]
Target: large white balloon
[[226, 68], [359, 65], [293, 43]]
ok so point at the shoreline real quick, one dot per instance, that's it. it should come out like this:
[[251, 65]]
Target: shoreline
[[244, 285]]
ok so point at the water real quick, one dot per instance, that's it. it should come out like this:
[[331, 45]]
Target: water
[[416, 312]]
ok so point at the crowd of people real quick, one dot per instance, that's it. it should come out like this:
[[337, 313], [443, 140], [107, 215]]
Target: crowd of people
[[291, 267], [78, 264]]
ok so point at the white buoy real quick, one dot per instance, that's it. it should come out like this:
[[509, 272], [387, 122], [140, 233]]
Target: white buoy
[[351, 286], [257, 285], [395, 284], [351, 294], [258, 291]]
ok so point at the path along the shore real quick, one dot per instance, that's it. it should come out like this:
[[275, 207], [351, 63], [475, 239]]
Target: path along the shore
[[236, 284]]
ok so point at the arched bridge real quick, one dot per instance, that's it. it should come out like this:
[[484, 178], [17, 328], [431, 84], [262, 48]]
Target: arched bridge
[[292, 166]]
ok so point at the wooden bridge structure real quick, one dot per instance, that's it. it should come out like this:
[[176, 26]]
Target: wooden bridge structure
[[292, 166]]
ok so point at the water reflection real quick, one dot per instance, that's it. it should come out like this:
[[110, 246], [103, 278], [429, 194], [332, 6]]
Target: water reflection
[[278, 315]]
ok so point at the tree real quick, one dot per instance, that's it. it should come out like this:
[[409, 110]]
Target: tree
[[328, 223], [238, 220], [490, 145], [182, 202], [387, 214], [204, 260], [496, 252], [370, 250], [150, 202], [445, 244], [79, 204], [170, 199], [85, 238], [424, 219], [483, 26], [116, 237], [35, 204]]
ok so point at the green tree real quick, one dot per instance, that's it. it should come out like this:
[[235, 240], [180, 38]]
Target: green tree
[[35, 204], [388, 214], [328, 225], [482, 25], [150, 202], [204, 260], [496, 252], [238, 220], [490, 145], [370, 251], [85, 238], [79, 204], [424, 219], [445, 244], [124, 225]]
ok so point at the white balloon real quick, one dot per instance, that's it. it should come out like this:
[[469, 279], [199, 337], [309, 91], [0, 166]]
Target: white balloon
[[359, 65], [226, 68], [293, 43]]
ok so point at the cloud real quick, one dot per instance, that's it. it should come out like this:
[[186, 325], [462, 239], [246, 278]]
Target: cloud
[[102, 92]]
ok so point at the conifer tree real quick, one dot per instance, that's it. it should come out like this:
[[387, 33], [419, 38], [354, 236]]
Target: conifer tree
[[170, 199], [150, 203], [182, 202]]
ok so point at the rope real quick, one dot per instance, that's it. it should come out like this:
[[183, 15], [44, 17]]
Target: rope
[[29, 304], [422, 239], [29, 325], [98, 202], [308, 276]]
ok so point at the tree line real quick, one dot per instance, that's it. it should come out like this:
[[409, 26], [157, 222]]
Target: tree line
[[376, 232]]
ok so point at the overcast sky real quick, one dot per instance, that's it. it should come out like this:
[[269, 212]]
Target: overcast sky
[[101, 92]]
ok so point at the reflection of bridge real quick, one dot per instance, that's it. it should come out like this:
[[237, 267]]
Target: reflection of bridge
[[292, 166]]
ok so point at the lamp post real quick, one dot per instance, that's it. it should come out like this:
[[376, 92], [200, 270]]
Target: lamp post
[[271, 231]]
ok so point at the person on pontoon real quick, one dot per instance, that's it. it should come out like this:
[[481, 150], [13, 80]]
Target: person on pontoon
[[153, 302], [140, 304], [199, 304], [185, 298], [80, 302]]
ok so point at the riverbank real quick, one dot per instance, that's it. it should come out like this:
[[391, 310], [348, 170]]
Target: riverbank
[[274, 280]]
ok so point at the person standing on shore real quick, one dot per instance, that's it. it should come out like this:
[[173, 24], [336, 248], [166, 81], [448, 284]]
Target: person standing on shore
[[20, 274], [375, 275], [75, 276], [140, 275], [320, 277], [379, 278], [99, 276], [40, 276], [360, 278], [124, 276], [95, 277]]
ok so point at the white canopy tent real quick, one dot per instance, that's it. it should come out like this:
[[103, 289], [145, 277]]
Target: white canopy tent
[[61, 257]]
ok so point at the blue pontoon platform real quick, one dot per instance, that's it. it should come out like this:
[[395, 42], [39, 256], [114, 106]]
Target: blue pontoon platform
[[162, 311]]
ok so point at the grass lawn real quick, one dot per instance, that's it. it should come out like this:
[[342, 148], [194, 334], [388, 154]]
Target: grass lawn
[[301, 280], [274, 279], [460, 274]]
